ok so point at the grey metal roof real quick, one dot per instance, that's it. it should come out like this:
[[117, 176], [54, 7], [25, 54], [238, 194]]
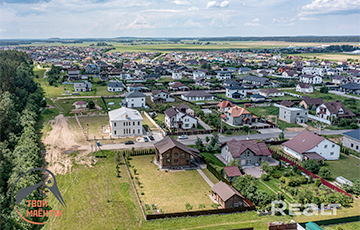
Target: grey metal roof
[[354, 134], [351, 86], [134, 94], [115, 84]]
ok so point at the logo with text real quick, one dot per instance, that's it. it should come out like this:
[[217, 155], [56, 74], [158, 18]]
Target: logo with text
[[36, 209], [279, 206]]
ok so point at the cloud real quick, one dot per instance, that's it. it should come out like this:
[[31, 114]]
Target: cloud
[[2, 30], [252, 24], [181, 2], [216, 4], [284, 21], [190, 24], [223, 20], [307, 19], [256, 20], [331, 7], [194, 8]]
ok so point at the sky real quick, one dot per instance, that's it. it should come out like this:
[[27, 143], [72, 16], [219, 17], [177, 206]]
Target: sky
[[23, 19]]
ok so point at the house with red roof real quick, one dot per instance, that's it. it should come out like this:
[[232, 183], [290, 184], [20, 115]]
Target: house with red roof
[[239, 116], [248, 152], [225, 106], [307, 145], [232, 172], [80, 104]]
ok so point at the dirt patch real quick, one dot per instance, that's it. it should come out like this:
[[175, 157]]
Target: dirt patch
[[60, 140], [294, 129]]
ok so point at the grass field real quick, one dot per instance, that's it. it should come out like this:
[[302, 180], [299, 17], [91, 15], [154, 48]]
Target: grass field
[[116, 105], [352, 225], [66, 105], [188, 46], [94, 124], [346, 167], [170, 191], [160, 117], [329, 56], [146, 121]]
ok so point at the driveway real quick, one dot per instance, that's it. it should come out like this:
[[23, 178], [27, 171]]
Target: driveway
[[343, 94], [266, 131], [203, 124], [253, 171]]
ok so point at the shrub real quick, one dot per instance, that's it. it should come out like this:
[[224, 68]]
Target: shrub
[[325, 173], [201, 206], [293, 182], [142, 193], [283, 180], [188, 207], [317, 182], [153, 206], [303, 180], [147, 207], [276, 175], [312, 166], [215, 205], [265, 177], [228, 132]]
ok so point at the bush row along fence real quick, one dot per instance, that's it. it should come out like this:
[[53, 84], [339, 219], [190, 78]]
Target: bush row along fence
[[103, 100], [133, 185], [139, 152], [324, 182]]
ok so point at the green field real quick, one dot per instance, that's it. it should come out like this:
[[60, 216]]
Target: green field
[[329, 56], [351, 226], [346, 167], [170, 191], [147, 122], [66, 105]]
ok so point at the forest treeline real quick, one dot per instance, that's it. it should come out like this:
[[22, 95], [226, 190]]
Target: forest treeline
[[20, 102], [289, 39]]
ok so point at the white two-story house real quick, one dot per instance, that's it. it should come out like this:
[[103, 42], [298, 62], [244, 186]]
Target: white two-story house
[[304, 88], [236, 91], [161, 96], [310, 79], [307, 145], [125, 122], [223, 75], [134, 99], [177, 118]]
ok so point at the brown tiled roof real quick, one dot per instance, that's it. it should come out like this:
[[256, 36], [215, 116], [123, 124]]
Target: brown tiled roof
[[304, 141], [271, 90], [154, 92], [225, 191], [314, 156], [236, 148], [304, 85], [232, 171], [287, 103], [236, 111], [225, 104], [177, 85], [334, 106], [80, 103], [169, 143], [170, 112], [197, 93], [313, 101]]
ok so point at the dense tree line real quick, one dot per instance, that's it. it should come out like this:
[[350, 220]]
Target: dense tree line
[[289, 39], [20, 102]]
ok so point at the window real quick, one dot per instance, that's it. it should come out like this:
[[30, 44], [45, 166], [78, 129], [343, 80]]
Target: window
[[168, 155], [248, 154], [138, 122], [133, 131], [115, 132], [134, 123], [182, 155], [357, 147], [332, 153], [124, 123], [298, 114], [325, 146], [142, 99], [352, 145], [176, 160], [167, 160], [138, 131], [176, 154], [186, 125], [114, 123]]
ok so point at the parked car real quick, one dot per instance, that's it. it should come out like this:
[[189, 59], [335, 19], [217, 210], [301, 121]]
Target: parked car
[[152, 138], [129, 143], [182, 137], [146, 139]]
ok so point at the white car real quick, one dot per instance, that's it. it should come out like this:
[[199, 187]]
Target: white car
[[182, 137]]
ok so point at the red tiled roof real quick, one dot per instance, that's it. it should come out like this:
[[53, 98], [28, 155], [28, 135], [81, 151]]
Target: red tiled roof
[[236, 148], [225, 104], [232, 171], [304, 141]]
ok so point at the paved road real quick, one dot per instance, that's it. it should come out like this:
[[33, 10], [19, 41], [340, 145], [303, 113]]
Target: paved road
[[343, 94], [191, 139]]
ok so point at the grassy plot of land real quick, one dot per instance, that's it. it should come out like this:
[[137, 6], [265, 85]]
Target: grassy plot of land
[[85, 192], [170, 191], [352, 225], [329, 56], [147, 122], [160, 117], [116, 101], [67, 106], [96, 125], [347, 166]]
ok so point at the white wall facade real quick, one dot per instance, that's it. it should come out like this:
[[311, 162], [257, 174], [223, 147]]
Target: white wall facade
[[126, 128], [135, 102]]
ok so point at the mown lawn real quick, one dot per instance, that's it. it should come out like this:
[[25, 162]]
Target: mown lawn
[[94, 125], [170, 191], [352, 225], [85, 192], [147, 122], [117, 102], [347, 166]]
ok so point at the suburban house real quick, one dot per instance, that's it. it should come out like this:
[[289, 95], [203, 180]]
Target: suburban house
[[103, 76], [173, 154], [353, 88], [232, 172], [333, 109], [271, 92], [115, 86], [225, 106], [257, 81], [339, 79], [227, 196], [82, 86], [313, 71], [198, 73], [293, 114], [239, 116], [125, 122], [80, 104], [243, 70], [178, 86], [311, 103], [197, 96], [223, 75], [311, 63], [287, 103], [304, 88], [230, 82], [161, 96], [351, 140], [307, 145], [290, 73], [236, 91], [137, 87], [134, 99], [257, 97], [248, 152], [311, 79], [176, 117], [74, 74], [177, 74], [92, 69]]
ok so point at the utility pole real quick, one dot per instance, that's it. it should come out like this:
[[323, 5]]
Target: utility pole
[[92, 154]]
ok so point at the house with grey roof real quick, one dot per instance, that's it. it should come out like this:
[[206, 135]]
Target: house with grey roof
[[161, 96], [333, 109], [197, 96], [353, 88], [82, 86], [257, 81], [236, 91], [307, 145], [178, 118], [351, 140], [248, 152], [134, 99], [311, 103], [115, 86]]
